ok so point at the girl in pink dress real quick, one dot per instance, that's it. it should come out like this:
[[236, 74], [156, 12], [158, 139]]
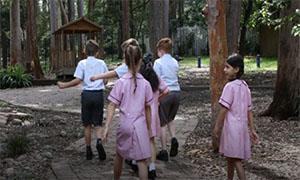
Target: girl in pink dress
[[160, 89], [133, 95], [236, 118]]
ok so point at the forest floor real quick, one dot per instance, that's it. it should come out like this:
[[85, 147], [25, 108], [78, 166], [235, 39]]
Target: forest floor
[[56, 144]]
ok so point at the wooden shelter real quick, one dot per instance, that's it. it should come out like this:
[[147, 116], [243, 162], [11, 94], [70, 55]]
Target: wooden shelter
[[70, 40]]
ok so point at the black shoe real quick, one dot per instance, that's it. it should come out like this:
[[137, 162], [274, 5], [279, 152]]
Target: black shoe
[[101, 152], [89, 153], [162, 155], [134, 167], [152, 174], [174, 147]]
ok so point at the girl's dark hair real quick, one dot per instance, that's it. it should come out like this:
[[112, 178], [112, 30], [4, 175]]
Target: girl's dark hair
[[133, 57], [236, 61], [148, 72]]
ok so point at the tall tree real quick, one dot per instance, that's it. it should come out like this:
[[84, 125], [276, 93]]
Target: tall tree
[[31, 30], [15, 29], [91, 6], [80, 8], [71, 10], [157, 29], [1, 33], [217, 52], [233, 16], [247, 6], [53, 26], [125, 19], [286, 101]]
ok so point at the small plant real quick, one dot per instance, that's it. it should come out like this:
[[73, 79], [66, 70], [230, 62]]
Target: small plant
[[14, 77], [17, 144]]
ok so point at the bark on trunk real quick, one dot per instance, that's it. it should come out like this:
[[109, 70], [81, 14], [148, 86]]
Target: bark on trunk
[[125, 20], [233, 16], [15, 29], [53, 27], [32, 38], [156, 22], [248, 9], [218, 54], [286, 101]]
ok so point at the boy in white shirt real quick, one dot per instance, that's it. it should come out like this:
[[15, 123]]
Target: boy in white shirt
[[91, 97]]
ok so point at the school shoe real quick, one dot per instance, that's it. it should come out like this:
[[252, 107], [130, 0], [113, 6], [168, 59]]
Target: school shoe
[[174, 147], [134, 167], [152, 174], [89, 153], [162, 155], [101, 151]]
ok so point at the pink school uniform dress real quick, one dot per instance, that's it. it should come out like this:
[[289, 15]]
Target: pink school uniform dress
[[155, 121], [235, 138], [133, 140]]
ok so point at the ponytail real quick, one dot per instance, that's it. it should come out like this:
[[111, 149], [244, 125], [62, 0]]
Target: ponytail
[[132, 60]]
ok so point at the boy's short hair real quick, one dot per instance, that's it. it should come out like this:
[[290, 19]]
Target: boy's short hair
[[130, 41], [164, 44], [92, 47]]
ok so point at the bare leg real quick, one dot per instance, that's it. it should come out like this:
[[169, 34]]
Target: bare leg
[[230, 168], [153, 150], [99, 132], [118, 166], [171, 127], [143, 171], [88, 135], [239, 168], [163, 137]]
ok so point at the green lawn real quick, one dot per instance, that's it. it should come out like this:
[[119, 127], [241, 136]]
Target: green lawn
[[267, 64]]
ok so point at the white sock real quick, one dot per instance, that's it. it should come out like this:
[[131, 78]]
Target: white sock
[[151, 166], [133, 162]]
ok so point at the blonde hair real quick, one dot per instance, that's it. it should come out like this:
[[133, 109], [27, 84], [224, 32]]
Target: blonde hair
[[133, 57], [164, 44]]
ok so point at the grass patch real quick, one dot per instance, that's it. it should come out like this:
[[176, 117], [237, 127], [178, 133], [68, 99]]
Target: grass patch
[[267, 64]]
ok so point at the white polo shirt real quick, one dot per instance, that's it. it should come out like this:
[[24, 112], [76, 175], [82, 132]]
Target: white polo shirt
[[121, 70], [87, 68], [166, 67]]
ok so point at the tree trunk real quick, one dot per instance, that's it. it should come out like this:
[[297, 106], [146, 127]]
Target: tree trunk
[[180, 12], [32, 38], [1, 41], [53, 27], [71, 10], [80, 8], [15, 30], [172, 17], [233, 16], [156, 22], [218, 54], [91, 6], [125, 20], [248, 5], [286, 100], [81, 39]]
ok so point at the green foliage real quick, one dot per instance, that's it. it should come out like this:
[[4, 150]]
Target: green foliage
[[14, 77], [17, 144]]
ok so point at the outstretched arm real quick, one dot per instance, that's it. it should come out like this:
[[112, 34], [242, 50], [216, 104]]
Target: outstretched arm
[[110, 113], [163, 94], [107, 75], [63, 85]]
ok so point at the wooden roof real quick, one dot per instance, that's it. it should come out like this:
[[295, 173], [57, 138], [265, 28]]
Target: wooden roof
[[81, 25]]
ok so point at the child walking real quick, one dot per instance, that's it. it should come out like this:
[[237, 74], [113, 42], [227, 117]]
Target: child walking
[[236, 118], [133, 95], [91, 96], [120, 70], [166, 67], [159, 89]]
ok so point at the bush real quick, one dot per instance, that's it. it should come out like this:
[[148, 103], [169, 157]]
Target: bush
[[17, 144], [14, 77]]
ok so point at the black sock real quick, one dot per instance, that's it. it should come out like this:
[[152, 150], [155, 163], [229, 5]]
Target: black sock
[[99, 141], [88, 146]]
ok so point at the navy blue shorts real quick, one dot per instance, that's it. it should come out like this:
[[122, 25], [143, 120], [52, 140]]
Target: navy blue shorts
[[92, 107], [168, 107]]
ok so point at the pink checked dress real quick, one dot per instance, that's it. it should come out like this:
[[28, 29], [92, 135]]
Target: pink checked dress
[[155, 121], [132, 134], [235, 139]]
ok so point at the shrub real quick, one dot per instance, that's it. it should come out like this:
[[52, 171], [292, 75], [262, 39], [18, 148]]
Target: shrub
[[17, 144], [14, 77]]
